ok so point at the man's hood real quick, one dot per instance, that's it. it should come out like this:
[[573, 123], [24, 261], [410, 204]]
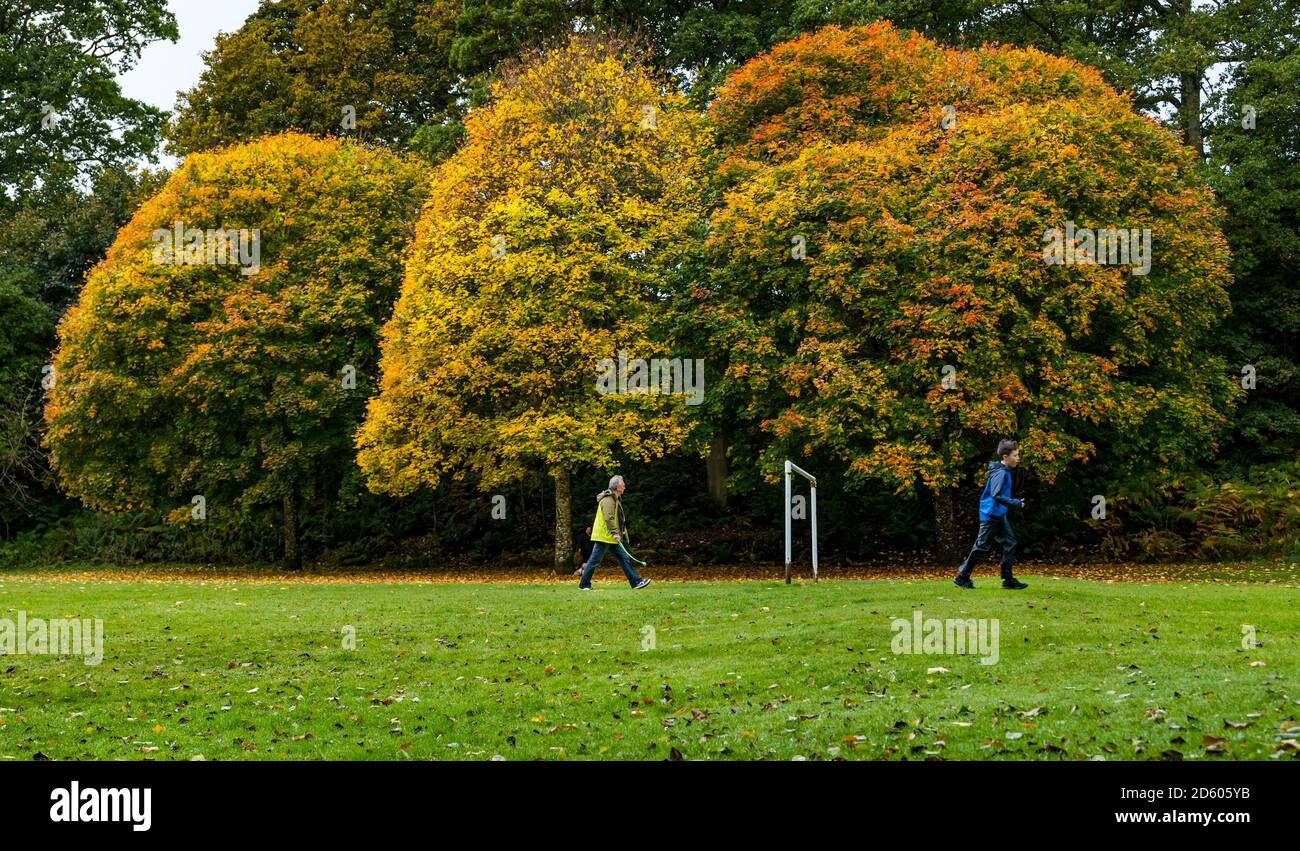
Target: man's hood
[[993, 465]]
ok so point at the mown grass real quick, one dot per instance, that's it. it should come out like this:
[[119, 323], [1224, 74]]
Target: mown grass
[[738, 670]]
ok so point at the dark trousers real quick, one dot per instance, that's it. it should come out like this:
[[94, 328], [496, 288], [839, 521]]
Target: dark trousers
[[598, 554], [994, 529]]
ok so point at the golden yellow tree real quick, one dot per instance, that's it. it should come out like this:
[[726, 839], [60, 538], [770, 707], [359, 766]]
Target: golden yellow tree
[[549, 244]]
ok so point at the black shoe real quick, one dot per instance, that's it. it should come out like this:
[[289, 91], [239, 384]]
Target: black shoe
[[1013, 584], [963, 582]]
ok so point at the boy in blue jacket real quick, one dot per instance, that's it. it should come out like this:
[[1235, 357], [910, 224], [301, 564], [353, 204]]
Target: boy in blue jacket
[[994, 524]]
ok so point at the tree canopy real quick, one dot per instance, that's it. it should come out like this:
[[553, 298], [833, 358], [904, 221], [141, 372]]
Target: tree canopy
[[548, 245], [64, 113], [186, 369], [926, 317]]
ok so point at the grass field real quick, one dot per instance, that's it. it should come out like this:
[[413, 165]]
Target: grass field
[[741, 670]]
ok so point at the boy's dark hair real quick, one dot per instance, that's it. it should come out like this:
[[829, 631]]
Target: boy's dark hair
[[1006, 447]]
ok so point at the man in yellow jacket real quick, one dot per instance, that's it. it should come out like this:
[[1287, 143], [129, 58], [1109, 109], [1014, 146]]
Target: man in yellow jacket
[[608, 531]]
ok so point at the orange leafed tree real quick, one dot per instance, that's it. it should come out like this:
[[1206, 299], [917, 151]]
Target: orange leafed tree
[[924, 314]]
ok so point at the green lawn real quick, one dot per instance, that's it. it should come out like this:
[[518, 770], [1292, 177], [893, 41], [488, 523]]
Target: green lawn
[[739, 670]]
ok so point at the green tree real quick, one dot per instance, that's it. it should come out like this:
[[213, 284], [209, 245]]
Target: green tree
[[24, 347], [1255, 170], [63, 112], [48, 240], [52, 237], [1166, 53]]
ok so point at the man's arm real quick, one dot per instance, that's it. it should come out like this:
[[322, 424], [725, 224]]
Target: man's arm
[[609, 507]]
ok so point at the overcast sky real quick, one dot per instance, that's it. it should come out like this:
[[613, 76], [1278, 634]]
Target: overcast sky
[[166, 68]]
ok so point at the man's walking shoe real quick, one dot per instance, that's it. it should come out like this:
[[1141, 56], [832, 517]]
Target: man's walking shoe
[[584, 587], [643, 583], [963, 582], [1013, 584]]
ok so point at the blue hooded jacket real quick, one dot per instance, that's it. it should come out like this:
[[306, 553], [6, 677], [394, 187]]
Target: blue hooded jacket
[[997, 492]]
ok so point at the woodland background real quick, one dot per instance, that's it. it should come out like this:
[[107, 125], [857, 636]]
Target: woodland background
[[417, 72]]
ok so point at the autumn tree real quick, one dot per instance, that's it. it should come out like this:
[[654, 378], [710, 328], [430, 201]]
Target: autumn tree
[[376, 69], [885, 281], [225, 346], [548, 245]]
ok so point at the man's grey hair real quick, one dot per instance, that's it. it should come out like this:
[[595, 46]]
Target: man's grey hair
[[615, 482]]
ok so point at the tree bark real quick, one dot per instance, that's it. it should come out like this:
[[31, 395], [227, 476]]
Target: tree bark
[[948, 542], [292, 544], [1190, 95], [716, 467], [563, 520]]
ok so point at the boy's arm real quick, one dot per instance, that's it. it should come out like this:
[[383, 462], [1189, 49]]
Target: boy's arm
[[995, 489]]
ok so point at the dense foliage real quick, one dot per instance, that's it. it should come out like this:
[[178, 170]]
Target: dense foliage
[[547, 246], [188, 376], [920, 324]]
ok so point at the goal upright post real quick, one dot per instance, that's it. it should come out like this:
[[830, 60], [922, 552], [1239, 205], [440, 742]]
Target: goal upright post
[[790, 469]]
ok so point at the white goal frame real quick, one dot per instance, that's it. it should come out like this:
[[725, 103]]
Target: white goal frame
[[790, 470]]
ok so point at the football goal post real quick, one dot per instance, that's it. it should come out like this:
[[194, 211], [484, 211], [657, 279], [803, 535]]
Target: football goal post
[[790, 470]]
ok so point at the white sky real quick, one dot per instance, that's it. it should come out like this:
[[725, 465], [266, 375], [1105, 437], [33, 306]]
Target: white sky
[[166, 68]]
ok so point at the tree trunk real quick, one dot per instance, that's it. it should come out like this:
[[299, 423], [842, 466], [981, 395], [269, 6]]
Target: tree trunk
[[948, 544], [716, 466], [292, 545], [563, 520], [1190, 94]]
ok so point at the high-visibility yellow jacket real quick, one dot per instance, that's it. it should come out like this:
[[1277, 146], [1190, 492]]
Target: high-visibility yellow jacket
[[609, 516]]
